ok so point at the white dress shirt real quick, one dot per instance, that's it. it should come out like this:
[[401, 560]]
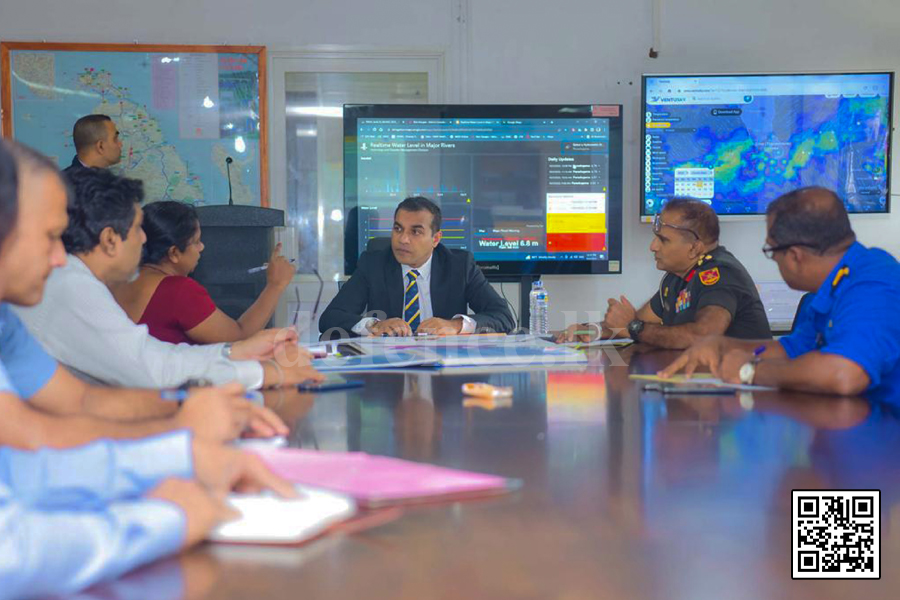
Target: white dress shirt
[[80, 324], [425, 310]]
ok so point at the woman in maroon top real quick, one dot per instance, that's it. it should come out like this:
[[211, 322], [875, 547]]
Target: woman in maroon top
[[176, 308]]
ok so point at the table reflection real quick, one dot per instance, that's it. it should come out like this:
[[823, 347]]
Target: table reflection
[[626, 493]]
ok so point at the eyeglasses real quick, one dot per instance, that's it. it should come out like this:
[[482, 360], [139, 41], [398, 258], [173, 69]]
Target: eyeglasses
[[658, 224], [769, 251]]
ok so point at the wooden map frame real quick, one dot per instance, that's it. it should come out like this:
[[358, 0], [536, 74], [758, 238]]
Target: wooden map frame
[[6, 123]]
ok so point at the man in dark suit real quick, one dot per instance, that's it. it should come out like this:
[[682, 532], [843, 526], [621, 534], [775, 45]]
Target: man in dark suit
[[97, 143], [416, 286]]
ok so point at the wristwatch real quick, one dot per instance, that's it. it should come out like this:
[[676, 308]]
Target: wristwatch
[[635, 328], [747, 372]]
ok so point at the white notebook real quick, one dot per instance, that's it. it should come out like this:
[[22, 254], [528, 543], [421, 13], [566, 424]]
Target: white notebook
[[269, 519]]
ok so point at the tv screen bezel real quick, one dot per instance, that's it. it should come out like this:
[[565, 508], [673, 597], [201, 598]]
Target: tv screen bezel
[[642, 208], [495, 270]]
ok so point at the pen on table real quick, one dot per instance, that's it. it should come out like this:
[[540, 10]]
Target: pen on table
[[181, 395], [265, 266]]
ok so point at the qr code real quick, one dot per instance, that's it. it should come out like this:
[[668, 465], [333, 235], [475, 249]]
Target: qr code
[[836, 534]]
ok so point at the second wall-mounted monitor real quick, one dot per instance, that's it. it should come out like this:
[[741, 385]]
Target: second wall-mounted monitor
[[527, 189], [740, 141]]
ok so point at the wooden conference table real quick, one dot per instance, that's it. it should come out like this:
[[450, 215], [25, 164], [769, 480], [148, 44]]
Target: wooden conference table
[[626, 494]]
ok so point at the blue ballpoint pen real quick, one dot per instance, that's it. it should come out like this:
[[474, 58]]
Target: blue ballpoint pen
[[180, 396]]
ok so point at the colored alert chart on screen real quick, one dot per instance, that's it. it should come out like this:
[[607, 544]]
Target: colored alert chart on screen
[[738, 142], [576, 223]]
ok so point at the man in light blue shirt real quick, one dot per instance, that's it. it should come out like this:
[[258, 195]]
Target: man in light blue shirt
[[29, 367], [70, 518]]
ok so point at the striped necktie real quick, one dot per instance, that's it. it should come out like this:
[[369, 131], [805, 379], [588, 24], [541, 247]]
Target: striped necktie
[[411, 312]]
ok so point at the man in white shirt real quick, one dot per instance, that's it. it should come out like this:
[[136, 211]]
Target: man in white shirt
[[416, 286], [81, 325], [53, 407]]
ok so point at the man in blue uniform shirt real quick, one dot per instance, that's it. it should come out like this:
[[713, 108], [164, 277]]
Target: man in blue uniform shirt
[[847, 336]]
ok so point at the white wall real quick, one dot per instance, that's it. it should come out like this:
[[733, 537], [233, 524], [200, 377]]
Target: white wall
[[264, 22], [529, 51]]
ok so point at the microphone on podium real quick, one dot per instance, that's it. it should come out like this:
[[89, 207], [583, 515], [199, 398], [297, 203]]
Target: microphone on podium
[[228, 161]]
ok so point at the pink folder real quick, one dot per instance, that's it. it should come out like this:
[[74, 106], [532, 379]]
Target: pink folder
[[378, 481]]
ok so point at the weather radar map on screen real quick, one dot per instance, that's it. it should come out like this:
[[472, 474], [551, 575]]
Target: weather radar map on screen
[[738, 142]]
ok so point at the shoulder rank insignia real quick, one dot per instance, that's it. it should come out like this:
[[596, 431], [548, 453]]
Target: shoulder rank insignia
[[839, 276], [710, 276]]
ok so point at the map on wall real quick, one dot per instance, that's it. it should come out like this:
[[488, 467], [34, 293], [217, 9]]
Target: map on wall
[[180, 114]]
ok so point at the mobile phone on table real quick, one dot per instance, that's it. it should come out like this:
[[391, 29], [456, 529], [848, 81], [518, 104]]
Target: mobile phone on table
[[330, 384]]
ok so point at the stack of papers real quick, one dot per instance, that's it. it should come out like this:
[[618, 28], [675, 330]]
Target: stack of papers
[[378, 481], [420, 341], [370, 362], [333, 485], [455, 356], [451, 351], [506, 354]]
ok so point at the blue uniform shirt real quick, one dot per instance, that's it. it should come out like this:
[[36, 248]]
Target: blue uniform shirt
[[856, 314], [70, 518], [28, 367]]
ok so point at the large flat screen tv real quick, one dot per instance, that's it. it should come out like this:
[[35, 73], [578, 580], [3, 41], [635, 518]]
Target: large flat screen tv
[[528, 190], [740, 141]]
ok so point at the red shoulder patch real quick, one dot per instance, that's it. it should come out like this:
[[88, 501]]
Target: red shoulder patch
[[710, 276]]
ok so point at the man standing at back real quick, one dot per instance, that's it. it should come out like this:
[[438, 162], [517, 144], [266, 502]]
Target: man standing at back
[[416, 286], [97, 143]]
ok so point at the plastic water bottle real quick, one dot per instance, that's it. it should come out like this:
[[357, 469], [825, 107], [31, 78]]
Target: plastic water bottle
[[538, 301]]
